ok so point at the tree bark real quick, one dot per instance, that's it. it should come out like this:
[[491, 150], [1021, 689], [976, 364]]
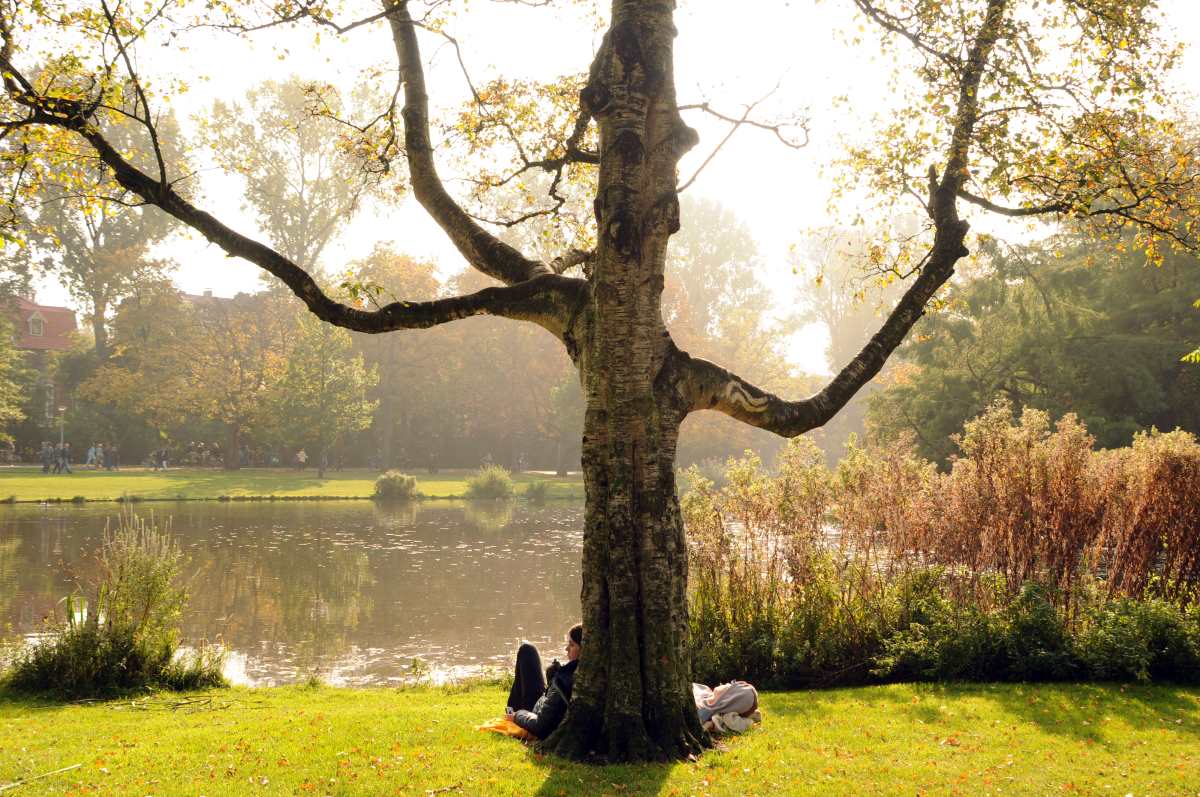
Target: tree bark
[[100, 327], [633, 697], [233, 444]]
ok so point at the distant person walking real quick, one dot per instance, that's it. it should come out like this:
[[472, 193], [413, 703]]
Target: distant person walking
[[47, 456], [301, 459], [62, 458], [90, 458]]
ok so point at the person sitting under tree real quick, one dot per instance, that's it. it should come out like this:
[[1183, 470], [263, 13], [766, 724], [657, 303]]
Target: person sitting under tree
[[539, 704]]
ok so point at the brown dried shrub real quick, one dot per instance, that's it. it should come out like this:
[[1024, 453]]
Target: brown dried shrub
[[1150, 531], [884, 508], [811, 575], [1019, 503]]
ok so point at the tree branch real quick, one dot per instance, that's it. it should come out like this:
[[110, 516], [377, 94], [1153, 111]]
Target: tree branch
[[708, 386], [481, 249], [140, 93], [737, 122], [546, 299], [894, 24], [573, 258], [572, 148], [777, 129], [986, 204], [703, 385]]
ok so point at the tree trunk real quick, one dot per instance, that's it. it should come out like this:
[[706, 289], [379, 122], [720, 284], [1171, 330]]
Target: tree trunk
[[633, 697], [233, 444], [100, 328], [560, 457], [635, 701]]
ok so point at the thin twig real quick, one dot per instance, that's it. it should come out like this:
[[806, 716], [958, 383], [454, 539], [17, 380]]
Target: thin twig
[[23, 781]]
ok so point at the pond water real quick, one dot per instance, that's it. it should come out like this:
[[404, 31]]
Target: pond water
[[350, 591]]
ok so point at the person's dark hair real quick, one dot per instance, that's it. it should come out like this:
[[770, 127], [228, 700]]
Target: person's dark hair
[[576, 634]]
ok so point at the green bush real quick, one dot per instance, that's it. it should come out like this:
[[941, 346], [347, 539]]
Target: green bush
[[537, 491], [1173, 636], [125, 633], [490, 481], [946, 643], [1035, 636], [1144, 641], [1114, 645], [393, 485]]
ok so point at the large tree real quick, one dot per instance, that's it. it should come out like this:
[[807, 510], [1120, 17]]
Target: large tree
[[322, 394], [302, 178], [93, 234], [1046, 109], [179, 357], [406, 393]]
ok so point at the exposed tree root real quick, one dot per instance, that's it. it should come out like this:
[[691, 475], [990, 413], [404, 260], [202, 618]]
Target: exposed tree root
[[586, 735]]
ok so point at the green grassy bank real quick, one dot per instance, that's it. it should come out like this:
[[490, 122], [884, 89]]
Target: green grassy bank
[[970, 740], [30, 484]]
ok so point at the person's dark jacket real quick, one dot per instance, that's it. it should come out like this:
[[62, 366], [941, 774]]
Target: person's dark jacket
[[551, 707]]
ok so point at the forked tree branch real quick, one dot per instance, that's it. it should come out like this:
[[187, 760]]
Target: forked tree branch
[[482, 250], [1037, 210], [703, 385]]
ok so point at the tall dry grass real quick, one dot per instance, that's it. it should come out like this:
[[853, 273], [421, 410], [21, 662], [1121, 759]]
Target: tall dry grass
[[1020, 505], [822, 568], [1030, 501]]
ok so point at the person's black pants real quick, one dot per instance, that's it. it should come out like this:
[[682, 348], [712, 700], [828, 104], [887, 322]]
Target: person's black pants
[[529, 683]]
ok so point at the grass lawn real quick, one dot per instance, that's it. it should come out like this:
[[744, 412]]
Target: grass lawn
[[910, 740], [30, 484]]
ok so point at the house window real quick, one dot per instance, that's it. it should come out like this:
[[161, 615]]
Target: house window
[[37, 327]]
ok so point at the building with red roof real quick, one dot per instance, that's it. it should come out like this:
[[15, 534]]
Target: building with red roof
[[41, 327]]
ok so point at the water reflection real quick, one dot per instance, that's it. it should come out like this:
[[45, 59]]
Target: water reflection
[[351, 592]]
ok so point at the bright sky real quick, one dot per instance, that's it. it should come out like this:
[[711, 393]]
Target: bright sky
[[727, 58]]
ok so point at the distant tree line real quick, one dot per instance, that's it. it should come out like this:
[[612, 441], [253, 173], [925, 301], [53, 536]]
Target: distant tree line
[[254, 378]]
